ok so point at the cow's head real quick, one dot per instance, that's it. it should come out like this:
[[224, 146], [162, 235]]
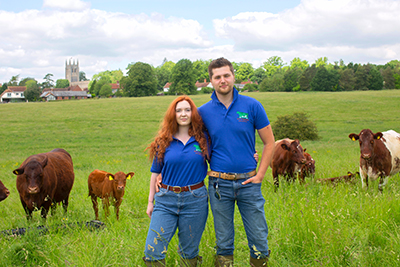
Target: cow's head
[[310, 163], [295, 151], [32, 171], [4, 192], [119, 180], [367, 140]]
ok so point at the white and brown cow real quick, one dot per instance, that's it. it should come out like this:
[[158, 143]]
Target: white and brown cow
[[380, 155]]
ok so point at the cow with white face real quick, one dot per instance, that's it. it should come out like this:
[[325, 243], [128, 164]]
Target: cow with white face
[[380, 155]]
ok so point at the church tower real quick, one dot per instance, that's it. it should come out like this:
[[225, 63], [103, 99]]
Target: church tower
[[72, 71]]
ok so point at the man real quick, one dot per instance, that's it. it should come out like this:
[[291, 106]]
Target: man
[[231, 120]]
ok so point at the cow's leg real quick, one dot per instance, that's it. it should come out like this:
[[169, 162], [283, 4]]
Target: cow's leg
[[53, 207], [106, 205], [382, 182], [96, 210], [65, 204], [27, 211], [276, 179], [364, 178], [117, 204]]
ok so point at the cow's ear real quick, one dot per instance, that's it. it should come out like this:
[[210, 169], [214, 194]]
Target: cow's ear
[[130, 175], [378, 135], [284, 146], [110, 177], [44, 162], [353, 136], [18, 171], [304, 150]]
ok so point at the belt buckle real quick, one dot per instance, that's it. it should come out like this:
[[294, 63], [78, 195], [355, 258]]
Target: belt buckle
[[177, 189], [234, 175]]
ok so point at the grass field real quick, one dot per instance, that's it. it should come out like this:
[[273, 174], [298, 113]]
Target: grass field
[[309, 225]]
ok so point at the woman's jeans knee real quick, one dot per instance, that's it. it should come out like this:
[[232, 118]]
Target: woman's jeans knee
[[224, 194], [187, 212]]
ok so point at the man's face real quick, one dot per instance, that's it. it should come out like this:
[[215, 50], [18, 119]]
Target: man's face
[[223, 80]]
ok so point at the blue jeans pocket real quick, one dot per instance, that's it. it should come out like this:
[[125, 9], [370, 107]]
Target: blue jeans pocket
[[200, 193], [161, 193]]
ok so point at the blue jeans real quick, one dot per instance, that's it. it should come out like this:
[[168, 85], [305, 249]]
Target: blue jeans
[[250, 202], [186, 211]]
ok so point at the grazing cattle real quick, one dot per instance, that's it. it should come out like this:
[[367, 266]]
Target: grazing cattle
[[379, 155], [307, 169], [44, 180], [3, 191], [106, 185], [287, 159], [346, 178]]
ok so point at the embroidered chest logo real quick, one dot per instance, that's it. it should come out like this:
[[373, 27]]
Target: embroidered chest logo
[[197, 149], [242, 116]]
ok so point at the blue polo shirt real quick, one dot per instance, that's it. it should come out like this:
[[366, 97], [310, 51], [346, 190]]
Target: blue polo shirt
[[232, 132], [182, 165]]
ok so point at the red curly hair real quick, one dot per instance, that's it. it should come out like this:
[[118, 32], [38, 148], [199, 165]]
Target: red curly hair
[[169, 127]]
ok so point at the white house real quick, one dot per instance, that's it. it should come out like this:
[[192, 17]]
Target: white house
[[203, 84], [13, 94]]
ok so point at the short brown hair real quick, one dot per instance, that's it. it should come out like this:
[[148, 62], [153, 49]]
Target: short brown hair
[[219, 63]]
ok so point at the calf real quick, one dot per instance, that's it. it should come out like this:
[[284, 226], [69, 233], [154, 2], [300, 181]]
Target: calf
[[308, 168], [3, 192], [45, 179], [287, 159], [106, 185], [379, 155], [346, 178]]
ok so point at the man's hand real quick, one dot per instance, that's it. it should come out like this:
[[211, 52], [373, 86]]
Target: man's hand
[[255, 179]]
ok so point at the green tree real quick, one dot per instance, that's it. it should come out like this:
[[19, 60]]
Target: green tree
[[245, 72], [62, 83], [296, 126], [347, 80], [112, 75], [141, 80], [25, 80], [272, 65], [14, 80], [82, 76], [259, 75], [200, 69], [321, 62], [291, 78], [297, 63], [375, 80], [274, 83], [388, 78], [306, 78], [48, 81], [322, 81], [32, 92], [3, 87], [361, 76], [183, 78], [96, 86], [105, 90]]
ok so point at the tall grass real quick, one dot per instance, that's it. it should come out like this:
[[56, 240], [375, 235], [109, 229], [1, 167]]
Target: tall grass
[[309, 225]]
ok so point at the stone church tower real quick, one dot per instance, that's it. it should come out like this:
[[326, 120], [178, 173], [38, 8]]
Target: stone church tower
[[72, 71]]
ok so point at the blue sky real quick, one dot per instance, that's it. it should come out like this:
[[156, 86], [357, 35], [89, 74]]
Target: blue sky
[[37, 37]]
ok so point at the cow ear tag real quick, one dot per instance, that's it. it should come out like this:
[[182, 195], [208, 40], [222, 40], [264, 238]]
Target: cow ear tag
[[110, 178], [353, 138], [129, 177], [378, 138]]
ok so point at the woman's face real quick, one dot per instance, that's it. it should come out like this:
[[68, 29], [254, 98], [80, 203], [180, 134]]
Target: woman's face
[[183, 113]]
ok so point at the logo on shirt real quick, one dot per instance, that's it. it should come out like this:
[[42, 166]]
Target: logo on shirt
[[242, 116], [197, 149]]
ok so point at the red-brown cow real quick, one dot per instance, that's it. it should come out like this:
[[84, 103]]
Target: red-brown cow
[[334, 180], [4, 193], [105, 186], [307, 169], [287, 158], [44, 180], [380, 155]]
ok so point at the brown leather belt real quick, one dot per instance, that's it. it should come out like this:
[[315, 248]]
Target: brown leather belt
[[178, 189], [231, 176]]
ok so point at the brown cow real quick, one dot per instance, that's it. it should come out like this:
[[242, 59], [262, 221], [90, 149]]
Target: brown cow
[[106, 185], [44, 180], [287, 158], [346, 178], [307, 169], [4, 193], [380, 155]]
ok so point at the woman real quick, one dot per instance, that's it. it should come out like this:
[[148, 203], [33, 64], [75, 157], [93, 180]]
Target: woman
[[179, 154]]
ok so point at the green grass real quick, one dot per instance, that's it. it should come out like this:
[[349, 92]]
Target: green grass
[[309, 225]]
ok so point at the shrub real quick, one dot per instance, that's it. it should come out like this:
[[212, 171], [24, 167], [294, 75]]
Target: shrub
[[296, 126], [206, 90]]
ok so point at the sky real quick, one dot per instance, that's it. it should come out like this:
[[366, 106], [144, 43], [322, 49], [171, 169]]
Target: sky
[[38, 37]]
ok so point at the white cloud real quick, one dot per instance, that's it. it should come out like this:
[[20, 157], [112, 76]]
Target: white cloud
[[66, 4]]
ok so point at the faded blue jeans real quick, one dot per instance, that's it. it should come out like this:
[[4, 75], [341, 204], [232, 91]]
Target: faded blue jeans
[[185, 211], [223, 196]]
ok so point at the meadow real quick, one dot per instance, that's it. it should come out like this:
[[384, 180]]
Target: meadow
[[309, 225]]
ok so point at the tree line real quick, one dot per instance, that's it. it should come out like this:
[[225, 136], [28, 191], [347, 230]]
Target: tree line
[[142, 79]]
